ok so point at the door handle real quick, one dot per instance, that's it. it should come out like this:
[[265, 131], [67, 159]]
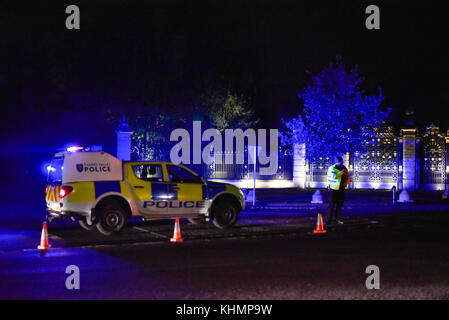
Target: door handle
[[138, 187]]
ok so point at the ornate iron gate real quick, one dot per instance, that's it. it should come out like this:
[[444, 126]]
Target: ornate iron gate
[[317, 175], [434, 159], [376, 165]]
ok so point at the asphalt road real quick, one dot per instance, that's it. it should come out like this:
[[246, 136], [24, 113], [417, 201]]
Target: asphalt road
[[269, 255]]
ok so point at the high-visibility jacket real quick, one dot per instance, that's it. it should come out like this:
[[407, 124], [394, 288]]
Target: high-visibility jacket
[[334, 177]]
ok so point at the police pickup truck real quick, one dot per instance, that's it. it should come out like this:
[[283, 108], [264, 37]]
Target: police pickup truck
[[104, 192]]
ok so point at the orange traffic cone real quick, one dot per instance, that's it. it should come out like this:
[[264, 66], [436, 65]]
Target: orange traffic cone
[[177, 232], [319, 225], [44, 238]]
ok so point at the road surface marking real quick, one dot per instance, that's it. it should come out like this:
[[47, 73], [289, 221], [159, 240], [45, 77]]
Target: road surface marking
[[141, 229], [158, 235]]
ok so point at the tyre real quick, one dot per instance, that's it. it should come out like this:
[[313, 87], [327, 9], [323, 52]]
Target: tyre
[[196, 220], [111, 219], [225, 215], [89, 227]]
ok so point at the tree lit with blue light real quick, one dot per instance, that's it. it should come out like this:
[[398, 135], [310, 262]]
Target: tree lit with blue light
[[337, 116]]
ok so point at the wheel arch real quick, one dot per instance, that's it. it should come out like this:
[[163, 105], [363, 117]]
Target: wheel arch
[[224, 196], [112, 197]]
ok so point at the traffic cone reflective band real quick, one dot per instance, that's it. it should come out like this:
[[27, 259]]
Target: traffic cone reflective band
[[177, 232], [319, 225], [44, 238]]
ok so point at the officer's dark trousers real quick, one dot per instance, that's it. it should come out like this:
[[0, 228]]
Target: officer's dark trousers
[[335, 204]]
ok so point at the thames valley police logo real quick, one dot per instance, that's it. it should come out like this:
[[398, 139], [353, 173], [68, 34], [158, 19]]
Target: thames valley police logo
[[93, 167]]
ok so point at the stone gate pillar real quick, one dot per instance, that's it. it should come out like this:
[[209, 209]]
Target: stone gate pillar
[[408, 159], [299, 165], [124, 140]]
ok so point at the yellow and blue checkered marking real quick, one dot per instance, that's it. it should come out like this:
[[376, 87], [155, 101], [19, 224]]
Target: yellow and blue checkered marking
[[102, 187]]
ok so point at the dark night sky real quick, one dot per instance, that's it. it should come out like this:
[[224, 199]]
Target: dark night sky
[[165, 53]]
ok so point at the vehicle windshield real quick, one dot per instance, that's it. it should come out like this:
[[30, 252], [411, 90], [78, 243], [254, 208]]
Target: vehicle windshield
[[54, 170]]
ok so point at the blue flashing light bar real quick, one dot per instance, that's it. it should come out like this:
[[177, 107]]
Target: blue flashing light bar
[[74, 149]]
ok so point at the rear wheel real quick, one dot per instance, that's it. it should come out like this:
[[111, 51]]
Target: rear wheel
[[86, 226], [225, 215], [111, 219]]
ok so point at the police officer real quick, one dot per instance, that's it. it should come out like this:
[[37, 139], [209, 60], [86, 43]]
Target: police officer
[[338, 178]]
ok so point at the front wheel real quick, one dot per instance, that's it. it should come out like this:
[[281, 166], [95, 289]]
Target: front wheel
[[225, 215], [112, 219]]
